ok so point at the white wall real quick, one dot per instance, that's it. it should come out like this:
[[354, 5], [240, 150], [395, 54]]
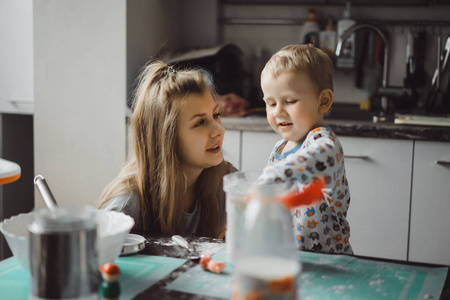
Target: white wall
[[80, 93], [199, 23], [152, 27], [16, 56], [87, 57]]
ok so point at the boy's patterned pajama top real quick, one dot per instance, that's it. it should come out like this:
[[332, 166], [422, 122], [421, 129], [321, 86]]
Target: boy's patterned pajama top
[[323, 226]]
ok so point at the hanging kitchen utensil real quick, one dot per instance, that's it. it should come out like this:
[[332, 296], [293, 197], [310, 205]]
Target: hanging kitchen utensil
[[410, 59], [45, 192], [419, 75], [408, 99], [446, 96], [436, 94], [361, 54]]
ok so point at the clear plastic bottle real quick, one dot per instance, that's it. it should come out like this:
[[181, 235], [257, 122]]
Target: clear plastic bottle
[[310, 29], [347, 57], [327, 38], [268, 265]]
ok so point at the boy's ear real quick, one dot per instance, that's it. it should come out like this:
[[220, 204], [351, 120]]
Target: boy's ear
[[325, 100]]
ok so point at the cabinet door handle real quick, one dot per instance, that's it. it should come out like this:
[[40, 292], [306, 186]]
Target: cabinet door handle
[[21, 101], [356, 156], [443, 162]]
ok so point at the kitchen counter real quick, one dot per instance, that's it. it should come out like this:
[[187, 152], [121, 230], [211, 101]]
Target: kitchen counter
[[356, 128]]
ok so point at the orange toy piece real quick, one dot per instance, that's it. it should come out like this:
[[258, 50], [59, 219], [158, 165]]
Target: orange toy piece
[[110, 287], [110, 272], [282, 286], [210, 264], [310, 194]]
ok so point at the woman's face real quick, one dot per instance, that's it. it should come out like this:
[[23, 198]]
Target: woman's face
[[200, 132]]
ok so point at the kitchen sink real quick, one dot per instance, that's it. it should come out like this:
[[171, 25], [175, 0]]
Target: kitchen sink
[[352, 113], [422, 120]]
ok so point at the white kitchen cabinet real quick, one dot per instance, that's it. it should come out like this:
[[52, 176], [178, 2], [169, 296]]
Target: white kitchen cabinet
[[400, 192], [232, 147], [256, 149], [430, 204], [379, 175], [16, 57]]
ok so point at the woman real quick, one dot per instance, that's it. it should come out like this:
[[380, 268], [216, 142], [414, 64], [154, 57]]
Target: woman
[[173, 184]]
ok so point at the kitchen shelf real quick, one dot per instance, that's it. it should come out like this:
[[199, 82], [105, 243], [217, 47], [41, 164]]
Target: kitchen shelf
[[381, 23], [260, 21]]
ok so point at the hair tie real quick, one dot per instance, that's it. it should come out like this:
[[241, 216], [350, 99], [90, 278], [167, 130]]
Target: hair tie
[[169, 70]]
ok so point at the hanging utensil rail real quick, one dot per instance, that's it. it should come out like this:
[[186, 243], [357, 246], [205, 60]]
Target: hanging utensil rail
[[291, 21]]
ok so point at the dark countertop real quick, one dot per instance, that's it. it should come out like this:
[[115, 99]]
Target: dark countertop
[[159, 246], [355, 128], [389, 130]]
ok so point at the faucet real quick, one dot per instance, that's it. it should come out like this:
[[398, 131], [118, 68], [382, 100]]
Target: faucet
[[356, 27]]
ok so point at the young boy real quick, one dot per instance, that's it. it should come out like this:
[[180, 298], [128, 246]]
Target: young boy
[[297, 83]]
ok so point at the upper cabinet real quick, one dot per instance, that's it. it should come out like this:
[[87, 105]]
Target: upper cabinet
[[16, 57]]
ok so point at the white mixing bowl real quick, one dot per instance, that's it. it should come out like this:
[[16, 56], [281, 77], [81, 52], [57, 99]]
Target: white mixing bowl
[[112, 228]]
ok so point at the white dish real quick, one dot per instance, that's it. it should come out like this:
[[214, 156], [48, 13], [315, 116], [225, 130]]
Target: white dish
[[133, 244]]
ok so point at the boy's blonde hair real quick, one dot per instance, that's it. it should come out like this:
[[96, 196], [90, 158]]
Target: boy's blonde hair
[[157, 171], [302, 58]]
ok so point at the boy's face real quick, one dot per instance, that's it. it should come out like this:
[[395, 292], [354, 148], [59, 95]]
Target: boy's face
[[292, 105]]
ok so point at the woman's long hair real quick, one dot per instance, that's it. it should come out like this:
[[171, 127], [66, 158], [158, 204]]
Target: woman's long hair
[[157, 172]]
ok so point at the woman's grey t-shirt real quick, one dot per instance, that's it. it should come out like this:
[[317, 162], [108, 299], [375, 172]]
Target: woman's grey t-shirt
[[130, 205]]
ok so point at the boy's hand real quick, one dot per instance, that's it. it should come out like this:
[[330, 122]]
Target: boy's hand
[[222, 234]]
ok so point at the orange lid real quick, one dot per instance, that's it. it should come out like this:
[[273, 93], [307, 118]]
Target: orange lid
[[110, 269]]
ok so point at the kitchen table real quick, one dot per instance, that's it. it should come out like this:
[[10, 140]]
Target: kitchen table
[[324, 276], [162, 271]]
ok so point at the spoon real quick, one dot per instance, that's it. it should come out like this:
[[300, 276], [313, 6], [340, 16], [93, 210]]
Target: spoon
[[45, 192], [180, 241], [309, 195]]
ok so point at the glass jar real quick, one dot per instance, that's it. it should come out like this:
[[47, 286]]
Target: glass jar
[[268, 264], [236, 186]]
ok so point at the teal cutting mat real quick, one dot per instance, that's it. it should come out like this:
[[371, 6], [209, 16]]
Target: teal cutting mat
[[332, 277], [139, 272]]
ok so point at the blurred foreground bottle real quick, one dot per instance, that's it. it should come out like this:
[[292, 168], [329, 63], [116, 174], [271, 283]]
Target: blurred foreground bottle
[[268, 264], [236, 185]]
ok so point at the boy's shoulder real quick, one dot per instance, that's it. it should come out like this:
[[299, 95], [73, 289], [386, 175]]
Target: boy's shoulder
[[321, 133]]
